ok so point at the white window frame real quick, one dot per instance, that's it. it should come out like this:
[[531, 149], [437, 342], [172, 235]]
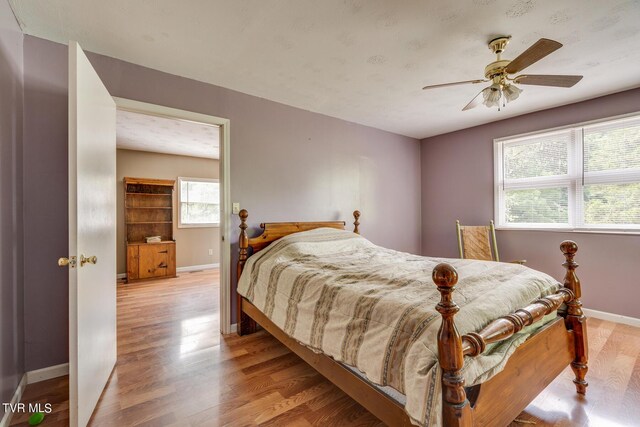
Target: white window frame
[[190, 225], [573, 180]]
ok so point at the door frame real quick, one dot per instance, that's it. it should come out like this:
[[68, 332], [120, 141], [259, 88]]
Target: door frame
[[225, 180]]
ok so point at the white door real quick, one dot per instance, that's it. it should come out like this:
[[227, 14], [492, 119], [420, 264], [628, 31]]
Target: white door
[[92, 233]]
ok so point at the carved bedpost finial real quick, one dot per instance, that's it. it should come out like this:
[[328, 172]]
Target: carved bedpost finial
[[243, 240], [445, 277], [571, 281], [456, 410], [243, 214], [356, 215], [574, 318]]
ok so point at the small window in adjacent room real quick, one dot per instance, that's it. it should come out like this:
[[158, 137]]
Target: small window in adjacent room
[[583, 177], [199, 202]]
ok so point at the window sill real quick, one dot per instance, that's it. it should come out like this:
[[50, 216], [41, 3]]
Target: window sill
[[572, 230], [199, 225]]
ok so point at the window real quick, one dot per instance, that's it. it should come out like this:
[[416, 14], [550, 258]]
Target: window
[[199, 201], [579, 178]]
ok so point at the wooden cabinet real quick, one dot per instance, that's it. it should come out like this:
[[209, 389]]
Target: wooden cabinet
[[151, 260], [148, 209]]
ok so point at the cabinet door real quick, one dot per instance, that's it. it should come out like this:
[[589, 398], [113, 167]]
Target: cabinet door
[[153, 260], [171, 261], [132, 262]]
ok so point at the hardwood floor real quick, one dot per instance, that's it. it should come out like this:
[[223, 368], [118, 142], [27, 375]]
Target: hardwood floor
[[174, 369]]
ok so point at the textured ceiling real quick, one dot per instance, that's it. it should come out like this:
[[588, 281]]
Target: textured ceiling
[[142, 132], [360, 60]]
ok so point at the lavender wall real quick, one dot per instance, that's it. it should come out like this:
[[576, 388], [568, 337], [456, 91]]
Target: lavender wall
[[11, 280], [286, 164], [457, 183], [46, 286]]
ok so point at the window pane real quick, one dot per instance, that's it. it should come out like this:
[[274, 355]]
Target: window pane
[[199, 202], [206, 192], [541, 206], [612, 204], [542, 157], [200, 213], [184, 189], [609, 147]]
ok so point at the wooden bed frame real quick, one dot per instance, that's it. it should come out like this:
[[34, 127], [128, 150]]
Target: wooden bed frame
[[495, 402]]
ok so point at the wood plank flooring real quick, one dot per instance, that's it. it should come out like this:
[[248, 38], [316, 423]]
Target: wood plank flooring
[[174, 369]]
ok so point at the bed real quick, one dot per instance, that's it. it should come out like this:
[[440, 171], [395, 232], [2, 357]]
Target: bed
[[498, 357]]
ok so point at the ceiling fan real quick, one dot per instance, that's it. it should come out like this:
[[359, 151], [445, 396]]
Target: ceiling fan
[[503, 88]]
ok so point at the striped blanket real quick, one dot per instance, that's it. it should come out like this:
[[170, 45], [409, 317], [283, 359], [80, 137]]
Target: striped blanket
[[374, 308]]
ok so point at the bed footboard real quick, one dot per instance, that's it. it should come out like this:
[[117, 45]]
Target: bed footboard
[[452, 347]]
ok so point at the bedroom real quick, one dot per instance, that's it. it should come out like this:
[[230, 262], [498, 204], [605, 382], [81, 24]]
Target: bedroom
[[307, 104]]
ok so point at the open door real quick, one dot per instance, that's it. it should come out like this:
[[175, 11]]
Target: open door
[[92, 236]]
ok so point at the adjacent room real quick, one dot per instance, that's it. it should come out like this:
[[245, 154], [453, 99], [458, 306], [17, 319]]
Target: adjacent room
[[168, 190], [342, 213]]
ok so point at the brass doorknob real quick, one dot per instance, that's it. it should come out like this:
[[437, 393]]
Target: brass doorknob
[[63, 262], [90, 260]]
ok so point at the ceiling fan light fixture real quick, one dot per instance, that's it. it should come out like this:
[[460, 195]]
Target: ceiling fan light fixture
[[492, 95], [501, 73], [511, 92]]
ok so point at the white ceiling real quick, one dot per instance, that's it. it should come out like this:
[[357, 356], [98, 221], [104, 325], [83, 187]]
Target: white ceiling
[[135, 131], [360, 60]]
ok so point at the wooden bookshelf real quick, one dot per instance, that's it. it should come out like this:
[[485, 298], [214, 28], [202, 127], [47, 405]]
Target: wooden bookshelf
[[148, 207]]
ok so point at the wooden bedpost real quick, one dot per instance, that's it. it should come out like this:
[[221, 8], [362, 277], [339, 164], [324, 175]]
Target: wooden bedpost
[[456, 410], [356, 223], [245, 324], [574, 317]]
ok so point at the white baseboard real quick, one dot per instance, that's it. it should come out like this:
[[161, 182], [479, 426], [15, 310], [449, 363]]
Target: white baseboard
[[618, 318], [6, 418], [181, 269], [197, 267], [47, 373], [233, 329]]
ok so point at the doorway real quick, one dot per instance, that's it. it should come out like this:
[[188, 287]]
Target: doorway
[[167, 113]]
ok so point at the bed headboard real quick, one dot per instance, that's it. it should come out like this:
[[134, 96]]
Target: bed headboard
[[272, 231]]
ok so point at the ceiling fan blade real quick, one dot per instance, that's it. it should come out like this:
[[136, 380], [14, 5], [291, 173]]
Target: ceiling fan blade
[[453, 84], [548, 80], [535, 53], [477, 100]]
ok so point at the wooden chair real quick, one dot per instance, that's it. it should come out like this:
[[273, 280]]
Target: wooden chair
[[479, 242]]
